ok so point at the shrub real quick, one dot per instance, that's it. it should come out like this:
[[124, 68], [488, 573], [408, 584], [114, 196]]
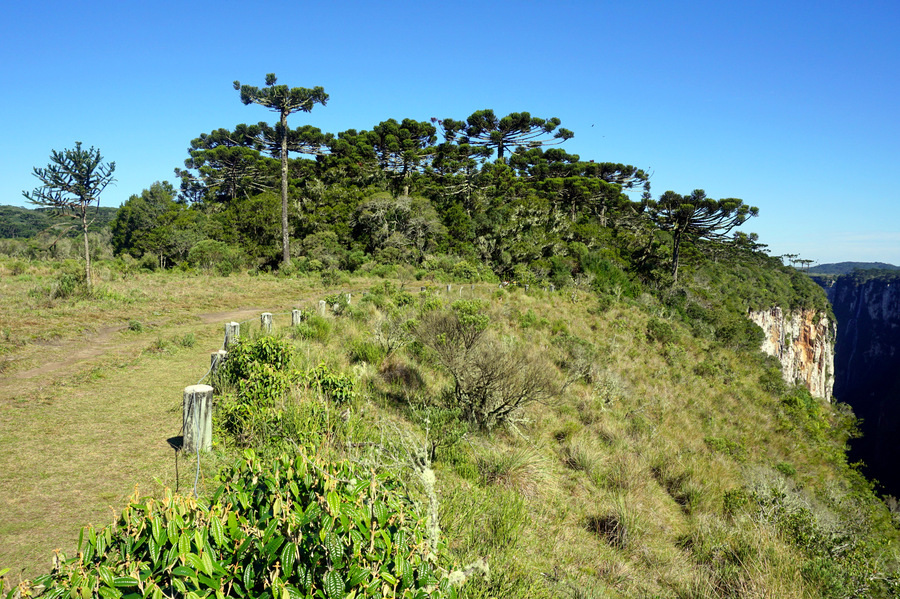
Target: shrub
[[268, 350], [660, 331], [492, 378], [336, 387], [290, 527]]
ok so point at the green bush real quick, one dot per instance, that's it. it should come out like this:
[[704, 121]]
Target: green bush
[[243, 355], [336, 387], [290, 527], [661, 332]]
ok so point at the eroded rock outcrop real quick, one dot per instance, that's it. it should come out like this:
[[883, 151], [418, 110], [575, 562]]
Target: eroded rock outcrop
[[803, 341]]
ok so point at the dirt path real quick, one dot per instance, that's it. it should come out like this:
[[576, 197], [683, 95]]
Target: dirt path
[[61, 358]]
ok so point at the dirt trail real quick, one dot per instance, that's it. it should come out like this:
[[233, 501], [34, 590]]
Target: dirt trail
[[66, 356]]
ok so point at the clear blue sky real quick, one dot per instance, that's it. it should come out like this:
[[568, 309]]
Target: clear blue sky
[[791, 106]]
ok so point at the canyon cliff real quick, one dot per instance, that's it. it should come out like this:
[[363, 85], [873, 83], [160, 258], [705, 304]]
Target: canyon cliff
[[867, 366], [803, 341]]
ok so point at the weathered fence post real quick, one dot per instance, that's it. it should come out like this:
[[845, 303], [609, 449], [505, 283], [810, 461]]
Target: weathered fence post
[[232, 333], [265, 320], [449, 287], [296, 317], [348, 299], [323, 308], [197, 418], [216, 360]]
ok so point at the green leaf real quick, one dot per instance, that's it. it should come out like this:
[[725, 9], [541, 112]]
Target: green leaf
[[106, 575], [248, 577], [288, 556], [218, 531], [334, 585], [110, 593], [125, 581], [196, 563], [271, 549], [380, 512], [276, 507], [206, 560], [184, 545], [232, 524], [156, 529], [357, 575], [334, 503], [183, 571]]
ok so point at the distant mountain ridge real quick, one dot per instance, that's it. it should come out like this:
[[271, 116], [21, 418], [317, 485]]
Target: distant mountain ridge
[[844, 268], [24, 223]]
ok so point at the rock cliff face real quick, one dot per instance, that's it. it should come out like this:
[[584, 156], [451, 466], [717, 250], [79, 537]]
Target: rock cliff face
[[803, 341], [867, 367]]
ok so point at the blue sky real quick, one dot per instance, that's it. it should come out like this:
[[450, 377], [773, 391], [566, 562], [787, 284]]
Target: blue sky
[[790, 106]]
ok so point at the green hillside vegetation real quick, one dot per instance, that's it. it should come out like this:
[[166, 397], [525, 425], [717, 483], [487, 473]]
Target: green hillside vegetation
[[583, 444], [583, 413]]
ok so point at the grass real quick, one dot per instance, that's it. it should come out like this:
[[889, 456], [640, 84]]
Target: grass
[[91, 392], [626, 484]]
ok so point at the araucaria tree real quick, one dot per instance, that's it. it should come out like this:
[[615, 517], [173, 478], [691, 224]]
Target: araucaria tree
[[696, 216], [484, 128], [283, 100], [72, 182]]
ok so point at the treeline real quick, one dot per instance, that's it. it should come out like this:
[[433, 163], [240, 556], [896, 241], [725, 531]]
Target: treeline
[[482, 190]]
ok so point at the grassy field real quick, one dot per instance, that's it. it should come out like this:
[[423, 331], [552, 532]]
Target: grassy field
[[665, 465], [90, 391]]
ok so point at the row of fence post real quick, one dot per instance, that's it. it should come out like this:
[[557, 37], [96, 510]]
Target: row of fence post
[[198, 399]]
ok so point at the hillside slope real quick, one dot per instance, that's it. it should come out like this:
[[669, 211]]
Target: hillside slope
[[657, 452]]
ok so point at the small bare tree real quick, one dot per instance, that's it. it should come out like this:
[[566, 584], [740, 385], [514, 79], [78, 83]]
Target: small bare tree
[[492, 378]]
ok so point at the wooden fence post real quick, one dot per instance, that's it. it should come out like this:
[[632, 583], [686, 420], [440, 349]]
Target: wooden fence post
[[323, 308], [265, 320], [296, 317], [232, 333], [197, 418], [216, 360]]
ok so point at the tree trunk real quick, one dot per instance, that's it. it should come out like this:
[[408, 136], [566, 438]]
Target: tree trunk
[[87, 254], [676, 246], [285, 237]]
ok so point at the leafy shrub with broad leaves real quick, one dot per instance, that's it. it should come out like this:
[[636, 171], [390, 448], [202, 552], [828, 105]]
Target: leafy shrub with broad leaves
[[294, 528], [244, 355], [333, 386]]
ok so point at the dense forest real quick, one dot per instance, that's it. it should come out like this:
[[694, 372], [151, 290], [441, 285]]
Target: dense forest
[[480, 198]]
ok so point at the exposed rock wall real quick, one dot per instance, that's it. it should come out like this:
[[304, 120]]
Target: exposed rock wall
[[803, 341]]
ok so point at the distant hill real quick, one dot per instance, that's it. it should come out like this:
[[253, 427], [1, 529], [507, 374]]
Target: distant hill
[[844, 268], [18, 222]]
